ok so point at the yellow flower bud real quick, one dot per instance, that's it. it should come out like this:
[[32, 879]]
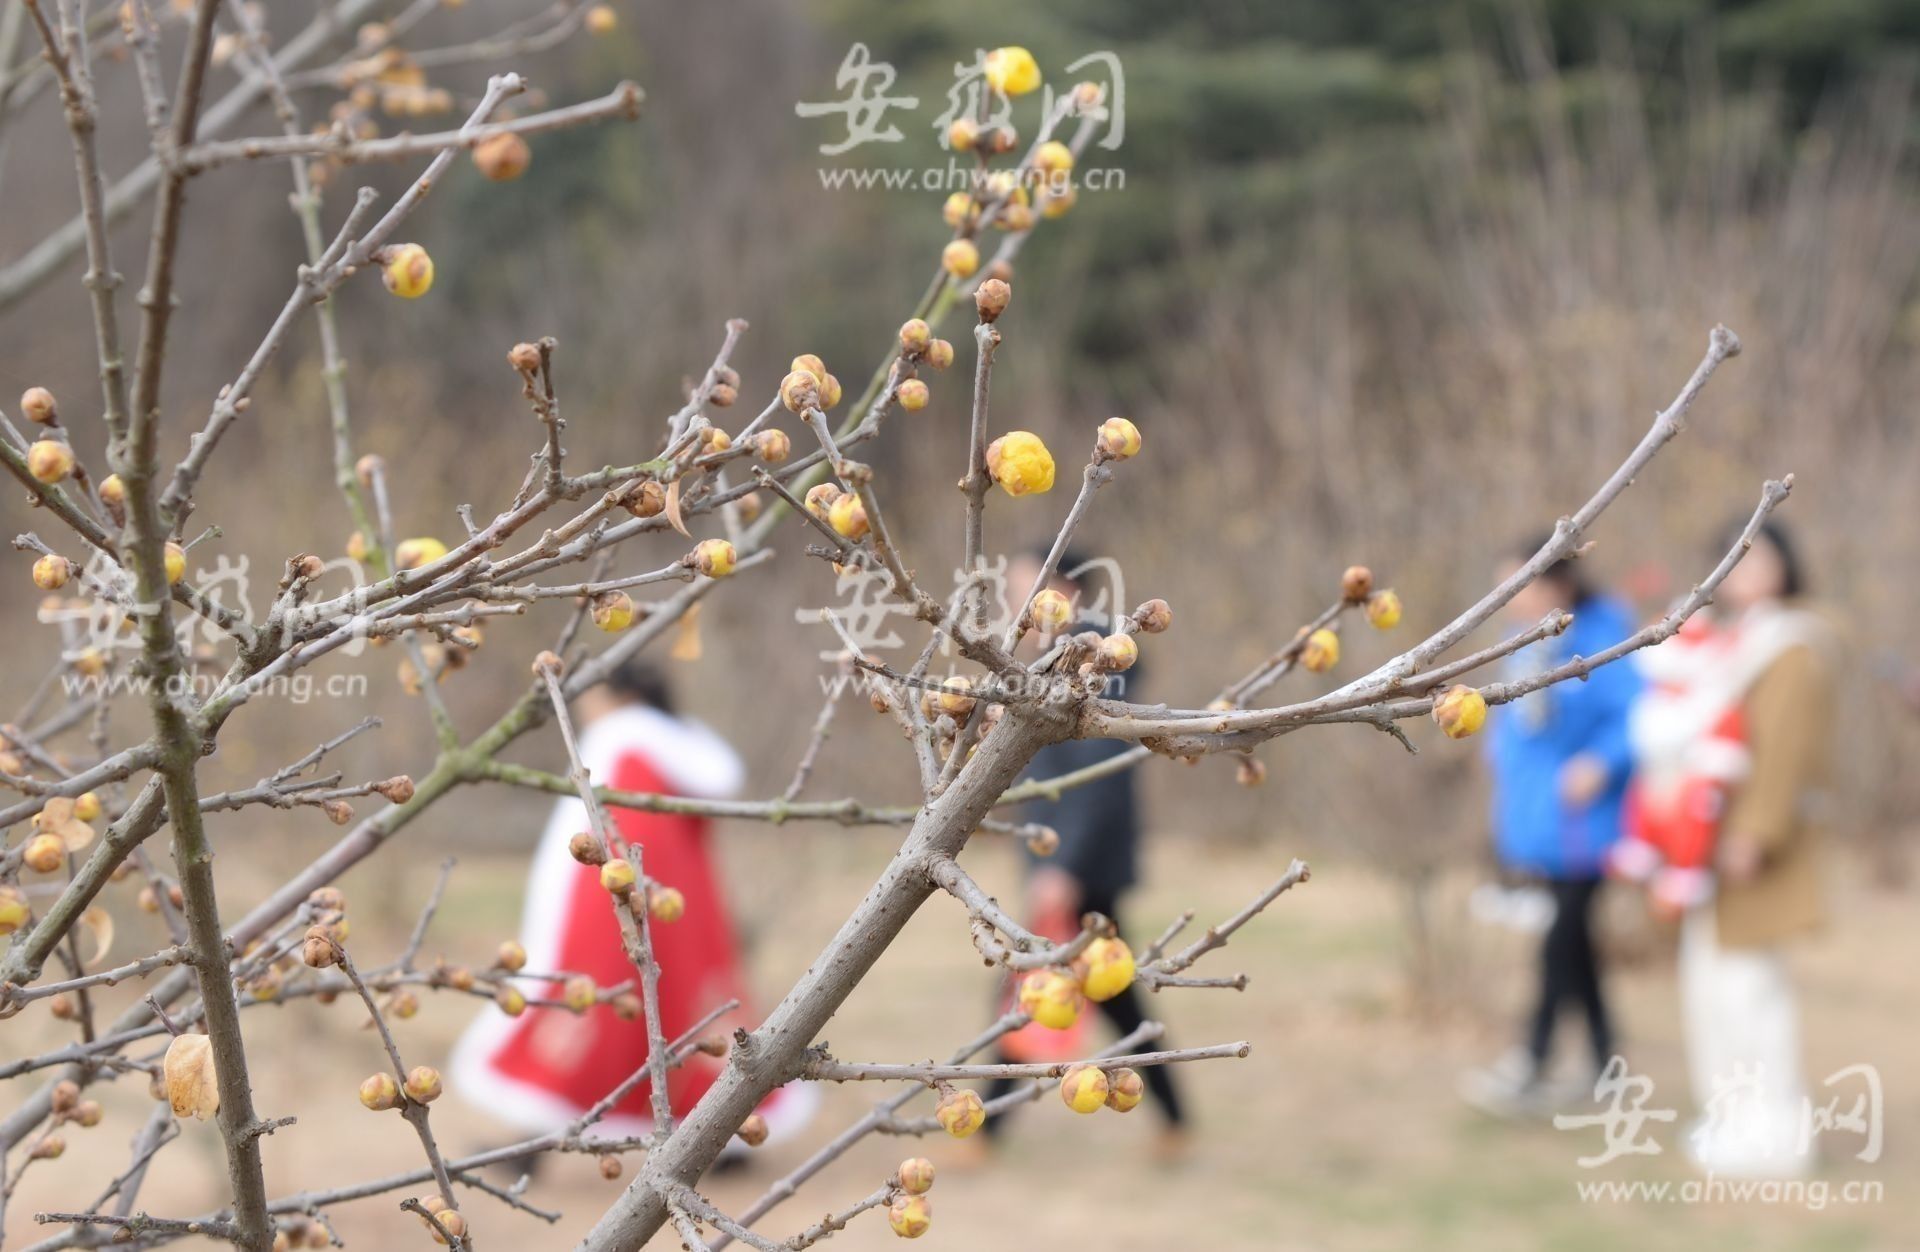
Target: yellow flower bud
[[910, 1216], [1050, 998], [1012, 71], [772, 446], [958, 209], [511, 957], [1322, 651], [414, 553], [44, 853], [113, 492], [50, 573], [939, 354], [666, 905], [1083, 1089], [829, 392], [511, 1001], [960, 1113], [960, 258], [601, 19], [1124, 1090], [1020, 463], [1053, 157], [714, 557], [1117, 653], [14, 912], [1050, 612], [617, 876], [1044, 842], [1057, 203], [813, 365], [800, 391], [1109, 969], [1383, 609], [952, 699], [915, 335], [1460, 711], [915, 1175], [963, 134], [423, 1084], [613, 611], [578, 993], [176, 563], [848, 517], [380, 1093], [50, 461], [1119, 438], [407, 271], [913, 395], [820, 498]]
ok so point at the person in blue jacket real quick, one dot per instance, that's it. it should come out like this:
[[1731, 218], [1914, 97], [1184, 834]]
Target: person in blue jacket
[[1560, 763]]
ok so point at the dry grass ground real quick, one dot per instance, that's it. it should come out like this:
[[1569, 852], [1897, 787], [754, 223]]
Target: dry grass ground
[[1340, 1131]]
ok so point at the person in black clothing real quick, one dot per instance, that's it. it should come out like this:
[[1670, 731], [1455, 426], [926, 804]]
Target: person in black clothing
[[1097, 860]]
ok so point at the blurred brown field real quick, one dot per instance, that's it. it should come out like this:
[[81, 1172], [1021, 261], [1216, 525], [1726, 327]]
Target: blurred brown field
[[1340, 1129], [1416, 372]]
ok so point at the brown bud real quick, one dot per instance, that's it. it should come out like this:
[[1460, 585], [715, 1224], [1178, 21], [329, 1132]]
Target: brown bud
[[1153, 616], [1001, 271], [772, 446], [502, 157], [88, 1113], [722, 395], [587, 849], [48, 1148], [327, 900], [644, 499], [991, 299], [63, 1008], [339, 812], [524, 357], [753, 1131], [37, 406], [1356, 584], [316, 949], [940, 354], [627, 1006], [66, 1096], [511, 957], [460, 978], [548, 661], [610, 1167], [1251, 772], [398, 789], [712, 1045]]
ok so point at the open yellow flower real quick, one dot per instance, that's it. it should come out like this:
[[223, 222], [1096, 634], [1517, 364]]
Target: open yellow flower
[[1020, 463], [1012, 70]]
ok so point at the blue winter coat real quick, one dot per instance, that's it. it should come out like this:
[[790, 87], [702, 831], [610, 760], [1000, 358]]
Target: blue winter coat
[[1534, 736]]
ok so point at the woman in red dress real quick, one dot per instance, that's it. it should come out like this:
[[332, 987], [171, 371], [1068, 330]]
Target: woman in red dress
[[543, 1069]]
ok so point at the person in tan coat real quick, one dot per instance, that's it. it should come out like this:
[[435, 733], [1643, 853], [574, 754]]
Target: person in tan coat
[[1741, 1015]]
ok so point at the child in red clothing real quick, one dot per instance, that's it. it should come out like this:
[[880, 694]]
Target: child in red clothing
[[543, 1069]]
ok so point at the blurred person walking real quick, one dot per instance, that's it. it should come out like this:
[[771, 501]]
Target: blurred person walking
[[1560, 760], [1740, 1013], [1094, 866], [540, 1070]]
